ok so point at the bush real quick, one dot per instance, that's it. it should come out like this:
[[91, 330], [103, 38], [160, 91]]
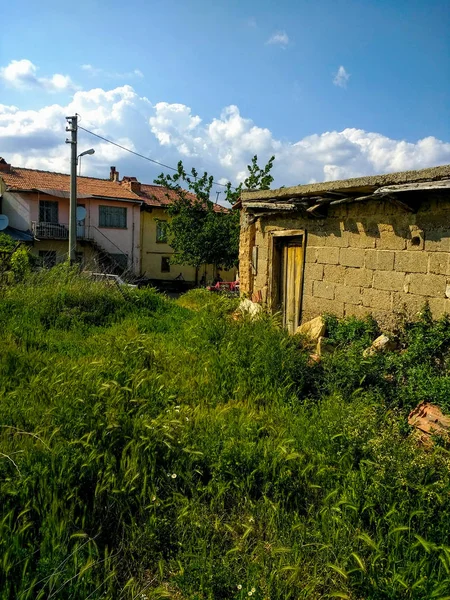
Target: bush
[[152, 448]]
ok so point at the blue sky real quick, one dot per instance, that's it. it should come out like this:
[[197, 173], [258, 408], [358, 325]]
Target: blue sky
[[394, 60]]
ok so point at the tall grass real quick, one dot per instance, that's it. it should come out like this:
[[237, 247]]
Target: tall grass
[[160, 449]]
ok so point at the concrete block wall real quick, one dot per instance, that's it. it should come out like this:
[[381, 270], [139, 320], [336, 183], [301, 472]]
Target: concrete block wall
[[372, 258]]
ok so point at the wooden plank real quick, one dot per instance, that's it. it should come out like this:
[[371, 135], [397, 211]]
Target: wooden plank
[[291, 288], [287, 232], [415, 187], [317, 210], [269, 206], [298, 285], [349, 199]]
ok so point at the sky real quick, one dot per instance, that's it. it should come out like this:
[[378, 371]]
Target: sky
[[332, 88]]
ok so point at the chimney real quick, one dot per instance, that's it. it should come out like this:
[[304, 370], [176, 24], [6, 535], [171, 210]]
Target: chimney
[[113, 174], [132, 184], [4, 166]]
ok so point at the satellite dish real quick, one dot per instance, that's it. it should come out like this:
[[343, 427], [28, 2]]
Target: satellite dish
[[4, 222], [81, 213]]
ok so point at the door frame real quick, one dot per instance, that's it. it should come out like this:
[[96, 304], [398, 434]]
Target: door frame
[[274, 275]]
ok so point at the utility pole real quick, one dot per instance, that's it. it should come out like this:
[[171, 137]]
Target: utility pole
[[217, 196], [73, 128]]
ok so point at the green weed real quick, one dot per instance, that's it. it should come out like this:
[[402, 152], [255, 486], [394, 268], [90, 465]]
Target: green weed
[[152, 448]]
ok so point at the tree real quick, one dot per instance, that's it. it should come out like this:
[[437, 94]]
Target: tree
[[200, 231]]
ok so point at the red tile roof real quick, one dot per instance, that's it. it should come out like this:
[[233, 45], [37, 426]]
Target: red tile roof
[[21, 179], [32, 179], [156, 195]]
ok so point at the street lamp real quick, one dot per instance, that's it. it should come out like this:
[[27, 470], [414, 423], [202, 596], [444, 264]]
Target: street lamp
[[90, 151]]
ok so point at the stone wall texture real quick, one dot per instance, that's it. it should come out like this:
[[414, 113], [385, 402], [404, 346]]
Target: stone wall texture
[[371, 257]]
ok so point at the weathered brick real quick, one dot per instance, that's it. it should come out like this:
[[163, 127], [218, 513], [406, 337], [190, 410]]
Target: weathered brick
[[308, 287], [316, 239], [328, 255], [362, 277], [440, 263], [360, 239], [437, 240], [314, 307], [427, 285], [333, 273], [411, 262], [378, 299], [310, 254], [350, 294], [323, 289], [388, 280], [380, 260], [313, 271], [389, 240], [408, 304], [336, 240], [439, 307], [416, 241], [351, 257], [356, 310]]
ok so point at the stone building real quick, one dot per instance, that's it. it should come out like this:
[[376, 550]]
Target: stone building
[[378, 245]]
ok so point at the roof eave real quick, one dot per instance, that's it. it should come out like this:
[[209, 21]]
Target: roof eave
[[79, 196], [363, 185]]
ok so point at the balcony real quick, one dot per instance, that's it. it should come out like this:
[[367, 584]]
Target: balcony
[[56, 231]]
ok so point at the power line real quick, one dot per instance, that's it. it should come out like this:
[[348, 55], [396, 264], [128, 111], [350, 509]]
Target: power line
[[137, 153]]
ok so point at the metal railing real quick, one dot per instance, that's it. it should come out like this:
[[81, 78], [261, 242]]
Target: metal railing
[[50, 231], [57, 231]]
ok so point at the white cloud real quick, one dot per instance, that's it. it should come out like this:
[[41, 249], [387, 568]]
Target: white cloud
[[96, 72], [223, 145], [341, 78], [279, 38], [22, 74]]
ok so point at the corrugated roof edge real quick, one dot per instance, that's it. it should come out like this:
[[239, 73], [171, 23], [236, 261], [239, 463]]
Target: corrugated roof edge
[[368, 182]]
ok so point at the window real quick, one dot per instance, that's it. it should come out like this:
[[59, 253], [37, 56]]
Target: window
[[48, 211], [161, 232], [113, 217], [48, 258], [165, 264]]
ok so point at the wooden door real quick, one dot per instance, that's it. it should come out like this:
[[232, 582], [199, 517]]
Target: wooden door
[[291, 281]]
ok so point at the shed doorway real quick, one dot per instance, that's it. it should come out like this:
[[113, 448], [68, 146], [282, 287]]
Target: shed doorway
[[287, 276]]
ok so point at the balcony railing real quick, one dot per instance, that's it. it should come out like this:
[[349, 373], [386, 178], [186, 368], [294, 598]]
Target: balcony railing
[[56, 231]]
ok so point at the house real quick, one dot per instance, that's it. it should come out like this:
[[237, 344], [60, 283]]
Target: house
[[37, 202], [377, 245], [156, 253], [124, 228]]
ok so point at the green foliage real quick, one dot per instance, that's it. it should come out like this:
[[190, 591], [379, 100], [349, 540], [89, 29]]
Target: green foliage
[[258, 179], [20, 263], [7, 244], [152, 448], [199, 231]]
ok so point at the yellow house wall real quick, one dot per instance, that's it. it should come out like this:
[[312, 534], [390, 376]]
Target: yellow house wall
[[363, 258], [152, 252]]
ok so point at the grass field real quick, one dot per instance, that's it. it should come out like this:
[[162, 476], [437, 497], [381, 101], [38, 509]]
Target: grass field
[[152, 448]]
